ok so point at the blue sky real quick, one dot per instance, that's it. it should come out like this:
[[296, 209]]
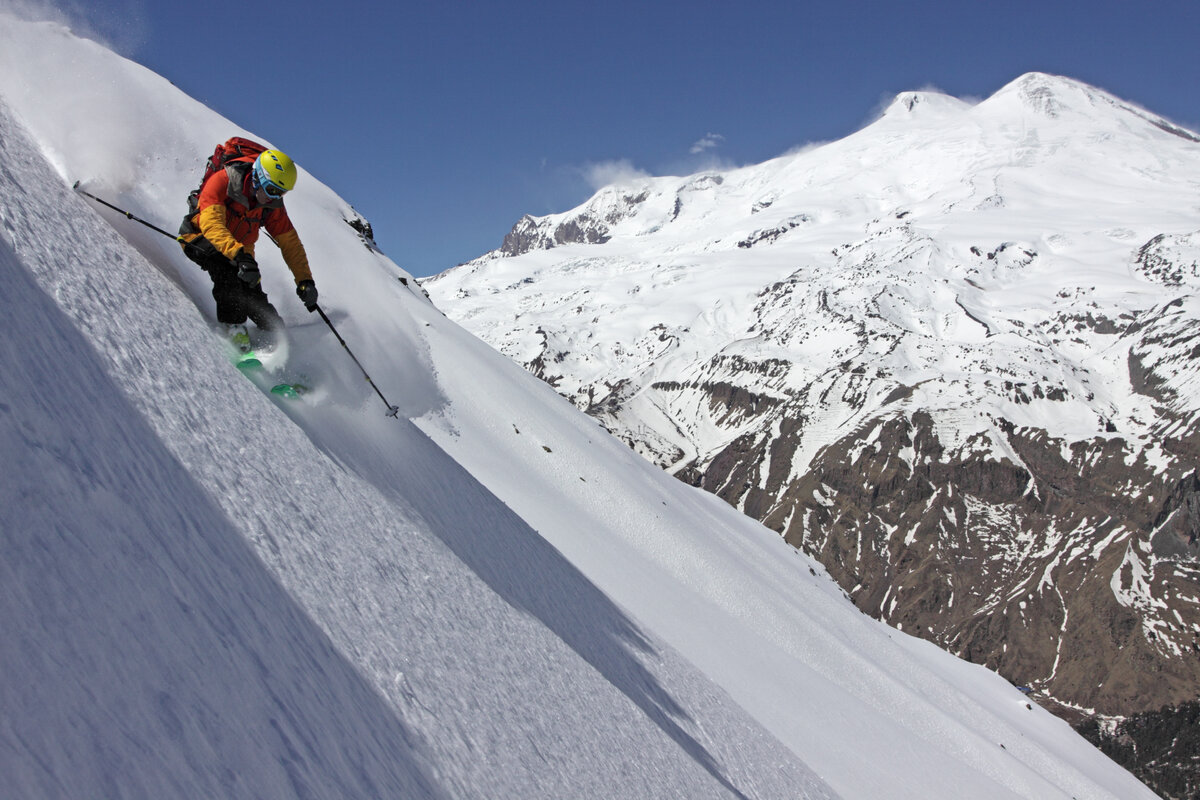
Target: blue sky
[[444, 122]]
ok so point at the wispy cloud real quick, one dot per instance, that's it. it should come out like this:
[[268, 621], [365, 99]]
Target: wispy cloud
[[609, 173], [806, 147], [710, 141]]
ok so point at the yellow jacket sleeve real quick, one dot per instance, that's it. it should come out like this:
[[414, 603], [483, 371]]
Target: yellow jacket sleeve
[[213, 227], [294, 255]]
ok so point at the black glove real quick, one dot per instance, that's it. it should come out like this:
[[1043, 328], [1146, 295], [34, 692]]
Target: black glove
[[247, 268], [307, 292]]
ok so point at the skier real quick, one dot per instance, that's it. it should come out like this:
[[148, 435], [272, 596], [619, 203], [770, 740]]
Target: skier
[[222, 227]]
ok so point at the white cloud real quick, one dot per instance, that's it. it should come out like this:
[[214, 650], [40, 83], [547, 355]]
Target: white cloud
[[708, 142], [609, 173]]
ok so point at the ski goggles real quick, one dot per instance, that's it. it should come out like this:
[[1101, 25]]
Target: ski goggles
[[269, 187]]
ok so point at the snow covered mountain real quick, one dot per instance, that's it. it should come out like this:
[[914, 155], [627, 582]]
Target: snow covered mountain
[[210, 591], [950, 355]]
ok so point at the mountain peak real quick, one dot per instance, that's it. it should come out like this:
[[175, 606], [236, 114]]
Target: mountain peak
[[923, 105], [1040, 92], [1056, 96], [1050, 95]]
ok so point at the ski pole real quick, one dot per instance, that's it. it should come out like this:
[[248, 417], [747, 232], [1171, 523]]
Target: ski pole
[[392, 410], [149, 225], [127, 214]]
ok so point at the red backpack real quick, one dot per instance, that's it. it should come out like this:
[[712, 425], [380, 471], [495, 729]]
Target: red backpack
[[235, 148]]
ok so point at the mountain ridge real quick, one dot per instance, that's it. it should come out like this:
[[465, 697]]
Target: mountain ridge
[[1039, 94]]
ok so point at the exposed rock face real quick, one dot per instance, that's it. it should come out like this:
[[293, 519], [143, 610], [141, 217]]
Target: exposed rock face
[[940, 355], [1041, 569], [1159, 747], [590, 226], [365, 232]]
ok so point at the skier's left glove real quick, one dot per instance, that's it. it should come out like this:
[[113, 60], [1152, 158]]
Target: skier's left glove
[[247, 268], [307, 292]]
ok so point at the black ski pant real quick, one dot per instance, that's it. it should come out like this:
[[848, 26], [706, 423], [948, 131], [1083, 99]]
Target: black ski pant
[[236, 299]]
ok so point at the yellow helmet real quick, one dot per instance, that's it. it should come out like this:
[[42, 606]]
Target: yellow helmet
[[274, 172]]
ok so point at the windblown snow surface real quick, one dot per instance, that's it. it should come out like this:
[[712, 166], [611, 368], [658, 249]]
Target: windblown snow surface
[[208, 591]]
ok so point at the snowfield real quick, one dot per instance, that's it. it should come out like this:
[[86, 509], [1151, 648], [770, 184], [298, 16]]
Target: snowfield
[[208, 591]]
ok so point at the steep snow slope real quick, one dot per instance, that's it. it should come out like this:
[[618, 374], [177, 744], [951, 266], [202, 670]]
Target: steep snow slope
[[946, 354], [583, 626]]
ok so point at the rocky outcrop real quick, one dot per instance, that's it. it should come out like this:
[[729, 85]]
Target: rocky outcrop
[[589, 226]]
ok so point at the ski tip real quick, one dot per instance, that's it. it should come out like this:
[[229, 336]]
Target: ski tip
[[292, 390]]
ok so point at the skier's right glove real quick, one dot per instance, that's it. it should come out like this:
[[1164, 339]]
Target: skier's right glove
[[247, 268], [307, 292]]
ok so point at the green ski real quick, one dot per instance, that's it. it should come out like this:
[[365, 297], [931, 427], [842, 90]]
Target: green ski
[[249, 364]]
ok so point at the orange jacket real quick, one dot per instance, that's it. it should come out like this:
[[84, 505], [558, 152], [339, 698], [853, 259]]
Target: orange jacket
[[230, 220]]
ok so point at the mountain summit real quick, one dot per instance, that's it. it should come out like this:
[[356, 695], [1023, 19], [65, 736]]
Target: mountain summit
[[950, 355], [924, 106]]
